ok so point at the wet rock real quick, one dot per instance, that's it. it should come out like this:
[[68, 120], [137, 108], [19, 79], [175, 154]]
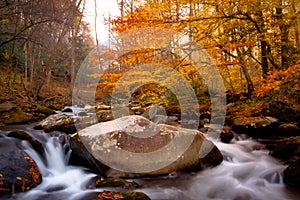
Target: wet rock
[[18, 172], [136, 135], [281, 111], [289, 129], [216, 130], [104, 115], [80, 156], [257, 126], [108, 195], [67, 110], [54, 122], [134, 196], [226, 135], [69, 129], [22, 135], [116, 182], [103, 107], [285, 149], [82, 114], [72, 128], [292, 174]]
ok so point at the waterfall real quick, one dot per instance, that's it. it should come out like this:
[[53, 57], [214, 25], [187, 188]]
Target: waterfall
[[247, 172], [59, 180]]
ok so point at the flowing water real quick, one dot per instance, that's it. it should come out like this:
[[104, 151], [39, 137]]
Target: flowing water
[[247, 172]]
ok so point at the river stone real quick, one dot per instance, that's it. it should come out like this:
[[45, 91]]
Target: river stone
[[23, 135], [15, 115], [281, 111], [292, 174], [258, 126], [104, 115], [137, 144], [289, 129], [44, 110], [18, 172], [54, 122]]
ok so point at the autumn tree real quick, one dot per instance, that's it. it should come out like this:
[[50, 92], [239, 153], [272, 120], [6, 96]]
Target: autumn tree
[[254, 36], [40, 35]]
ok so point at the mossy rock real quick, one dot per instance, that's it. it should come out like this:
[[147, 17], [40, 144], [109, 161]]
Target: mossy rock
[[135, 196], [44, 110], [18, 116], [109, 195], [116, 182]]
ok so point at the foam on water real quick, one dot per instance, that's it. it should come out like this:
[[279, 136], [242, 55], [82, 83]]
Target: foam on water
[[247, 172], [60, 181]]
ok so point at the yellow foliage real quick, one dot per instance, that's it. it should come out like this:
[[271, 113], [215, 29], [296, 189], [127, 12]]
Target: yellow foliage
[[287, 81]]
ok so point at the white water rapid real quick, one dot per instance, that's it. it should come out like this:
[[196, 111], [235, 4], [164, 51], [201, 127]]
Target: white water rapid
[[60, 181], [247, 172]]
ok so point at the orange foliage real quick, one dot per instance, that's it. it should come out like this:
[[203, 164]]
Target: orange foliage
[[286, 81], [108, 195]]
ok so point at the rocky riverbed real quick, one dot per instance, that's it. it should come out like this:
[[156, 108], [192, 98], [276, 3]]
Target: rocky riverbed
[[280, 137]]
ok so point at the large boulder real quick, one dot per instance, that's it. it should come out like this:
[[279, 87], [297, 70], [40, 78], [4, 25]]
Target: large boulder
[[281, 111], [285, 149], [257, 126], [133, 146], [18, 172], [54, 122]]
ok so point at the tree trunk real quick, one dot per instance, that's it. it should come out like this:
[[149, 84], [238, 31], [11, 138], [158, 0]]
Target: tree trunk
[[296, 25], [264, 57], [73, 47], [25, 61], [284, 30], [250, 87]]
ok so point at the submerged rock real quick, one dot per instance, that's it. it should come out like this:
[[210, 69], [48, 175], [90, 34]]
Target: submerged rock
[[133, 146], [18, 172]]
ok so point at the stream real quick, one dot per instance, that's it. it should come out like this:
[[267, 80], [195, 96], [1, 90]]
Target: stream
[[247, 172]]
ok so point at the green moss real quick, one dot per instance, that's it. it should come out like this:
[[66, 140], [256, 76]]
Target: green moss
[[44, 110], [18, 116], [134, 196], [117, 182]]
